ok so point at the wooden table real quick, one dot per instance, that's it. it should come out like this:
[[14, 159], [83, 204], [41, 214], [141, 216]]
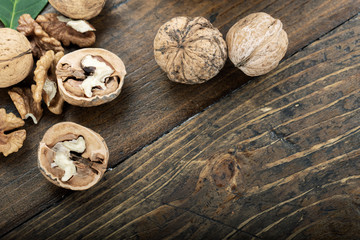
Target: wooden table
[[272, 157]]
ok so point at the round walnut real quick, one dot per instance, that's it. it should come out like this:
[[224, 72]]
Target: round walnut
[[16, 60], [72, 156], [90, 77], [257, 43], [78, 9], [190, 50]]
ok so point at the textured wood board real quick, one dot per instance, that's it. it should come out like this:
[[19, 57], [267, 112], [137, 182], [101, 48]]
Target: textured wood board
[[277, 158], [149, 105]]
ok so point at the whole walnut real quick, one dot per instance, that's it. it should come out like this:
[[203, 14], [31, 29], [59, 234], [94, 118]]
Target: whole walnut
[[190, 50], [257, 43], [16, 59], [78, 9]]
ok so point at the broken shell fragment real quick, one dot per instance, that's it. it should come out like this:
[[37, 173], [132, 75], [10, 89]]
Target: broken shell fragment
[[90, 77], [72, 156]]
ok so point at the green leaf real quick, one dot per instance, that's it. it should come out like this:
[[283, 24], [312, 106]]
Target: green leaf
[[11, 10]]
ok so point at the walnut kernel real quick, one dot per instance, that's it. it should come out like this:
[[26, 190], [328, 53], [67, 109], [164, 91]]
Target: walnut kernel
[[10, 142]]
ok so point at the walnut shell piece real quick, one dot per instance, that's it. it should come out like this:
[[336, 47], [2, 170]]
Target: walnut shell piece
[[190, 50], [257, 43], [10, 142], [67, 162], [98, 81], [16, 60], [78, 9]]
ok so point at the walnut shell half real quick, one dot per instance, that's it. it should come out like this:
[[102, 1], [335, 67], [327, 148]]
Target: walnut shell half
[[189, 50], [90, 76], [89, 164], [16, 60], [257, 43]]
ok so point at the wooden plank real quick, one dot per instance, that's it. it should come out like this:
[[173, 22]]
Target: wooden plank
[[277, 158], [149, 105]]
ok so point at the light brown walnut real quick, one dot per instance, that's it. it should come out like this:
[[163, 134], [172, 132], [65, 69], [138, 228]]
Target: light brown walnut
[[190, 50], [257, 43], [16, 60], [78, 9], [77, 167]]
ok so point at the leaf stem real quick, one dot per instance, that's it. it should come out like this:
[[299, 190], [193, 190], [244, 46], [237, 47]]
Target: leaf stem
[[13, 13]]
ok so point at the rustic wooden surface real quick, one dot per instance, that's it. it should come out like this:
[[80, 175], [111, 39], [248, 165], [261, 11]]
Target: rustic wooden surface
[[275, 159]]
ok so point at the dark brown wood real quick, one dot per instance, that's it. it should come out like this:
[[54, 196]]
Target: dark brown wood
[[276, 159]]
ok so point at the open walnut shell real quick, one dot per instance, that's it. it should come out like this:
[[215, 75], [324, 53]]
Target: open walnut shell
[[90, 76], [89, 165]]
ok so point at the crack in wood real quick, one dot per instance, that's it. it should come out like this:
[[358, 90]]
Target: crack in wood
[[205, 217]]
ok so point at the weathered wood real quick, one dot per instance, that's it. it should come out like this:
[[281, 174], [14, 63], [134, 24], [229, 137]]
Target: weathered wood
[[149, 104], [277, 159]]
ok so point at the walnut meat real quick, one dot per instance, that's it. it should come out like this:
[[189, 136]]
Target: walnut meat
[[66, 30], [78, 9], [10, 142], [16, 60], [46, 84], [257, 43], [72, 156], [25, 103], [190, 50], [90, 77], [40, 41]]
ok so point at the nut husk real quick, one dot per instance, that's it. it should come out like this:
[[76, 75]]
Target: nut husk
[[16, 60], [69, 68], [89, 168], [257, 43]]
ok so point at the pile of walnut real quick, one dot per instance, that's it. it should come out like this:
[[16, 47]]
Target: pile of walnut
[[192, 51], [70, 155], [45, 35]]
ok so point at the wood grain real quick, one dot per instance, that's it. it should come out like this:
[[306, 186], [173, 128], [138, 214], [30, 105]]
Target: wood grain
[[276, 159]]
